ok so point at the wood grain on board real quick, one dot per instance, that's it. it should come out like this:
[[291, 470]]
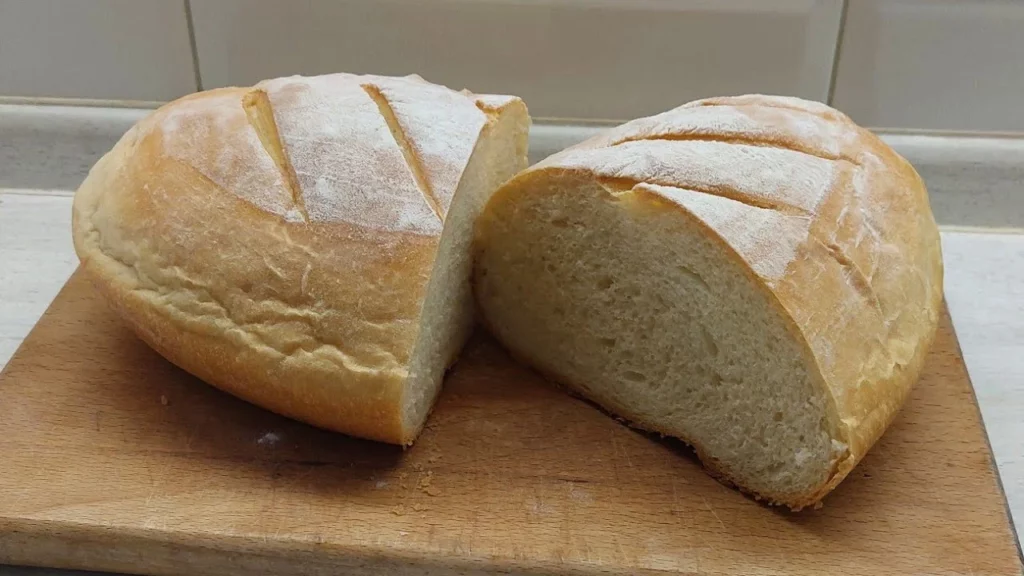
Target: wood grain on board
[[113, 459]]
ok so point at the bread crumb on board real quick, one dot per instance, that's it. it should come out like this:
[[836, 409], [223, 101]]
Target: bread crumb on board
[[164, 401], [420, 507], [268, 439], [398, 510], [426, 485]]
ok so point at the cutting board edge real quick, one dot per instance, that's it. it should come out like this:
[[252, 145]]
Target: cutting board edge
[[72, 546], [83, 546], [65, 287], [993, 465]]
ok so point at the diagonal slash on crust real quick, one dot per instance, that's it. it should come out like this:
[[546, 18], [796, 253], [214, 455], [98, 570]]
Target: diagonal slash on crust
[[858, 279], [778, 144], [261, 117], [623, 184], [411, 160]]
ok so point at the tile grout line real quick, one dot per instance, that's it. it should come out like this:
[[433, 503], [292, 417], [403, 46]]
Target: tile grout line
[[993, 230], [190, 23], [37, 192], [836, 53]]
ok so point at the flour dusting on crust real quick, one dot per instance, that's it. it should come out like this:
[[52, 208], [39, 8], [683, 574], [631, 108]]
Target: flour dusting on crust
[[213, 136], [775, 176], [348, 165], [441, 125]]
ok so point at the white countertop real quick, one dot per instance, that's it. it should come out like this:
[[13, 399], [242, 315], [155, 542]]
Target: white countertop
[[984, 287]]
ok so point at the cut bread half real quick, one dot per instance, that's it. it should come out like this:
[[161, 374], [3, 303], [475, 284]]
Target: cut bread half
[[304, 244], [757, 276]]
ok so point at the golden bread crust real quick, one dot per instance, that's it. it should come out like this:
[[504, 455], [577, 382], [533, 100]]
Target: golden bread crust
[[277, 241]]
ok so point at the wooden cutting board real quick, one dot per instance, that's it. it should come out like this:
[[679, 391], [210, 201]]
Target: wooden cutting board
[[113, 459]]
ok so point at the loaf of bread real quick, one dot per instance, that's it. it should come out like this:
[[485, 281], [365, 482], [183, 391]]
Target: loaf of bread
[[305, 243], [757, 276]]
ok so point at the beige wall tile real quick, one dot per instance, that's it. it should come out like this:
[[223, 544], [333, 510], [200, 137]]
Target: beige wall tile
[[108, 49], [599, 59], [934, 64]]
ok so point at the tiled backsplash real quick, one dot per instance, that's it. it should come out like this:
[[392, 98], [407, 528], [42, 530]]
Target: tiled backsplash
[[939, 64], [567, 58], [920, 64], [105, 49]]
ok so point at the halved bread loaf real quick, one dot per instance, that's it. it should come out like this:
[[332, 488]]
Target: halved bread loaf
[[757, 276], [304, 243]]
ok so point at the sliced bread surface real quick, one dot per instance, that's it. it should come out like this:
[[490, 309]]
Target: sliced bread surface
[[757, 276]]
